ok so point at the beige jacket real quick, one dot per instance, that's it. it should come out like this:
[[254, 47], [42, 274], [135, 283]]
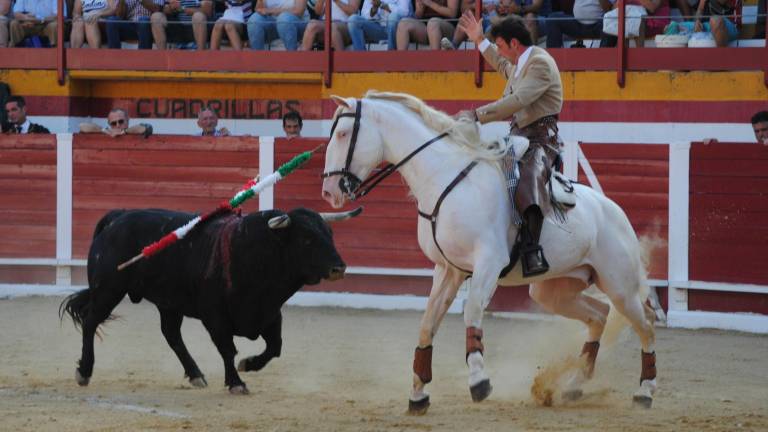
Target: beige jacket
[[536, 93]]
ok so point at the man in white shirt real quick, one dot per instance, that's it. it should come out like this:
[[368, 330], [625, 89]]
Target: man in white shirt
[[33, 18], [586, 22], [377, 21]]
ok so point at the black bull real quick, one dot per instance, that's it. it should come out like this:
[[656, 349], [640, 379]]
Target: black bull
[[234, 274]]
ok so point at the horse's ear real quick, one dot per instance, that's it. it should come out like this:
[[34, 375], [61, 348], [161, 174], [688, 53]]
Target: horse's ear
[[340, 101]]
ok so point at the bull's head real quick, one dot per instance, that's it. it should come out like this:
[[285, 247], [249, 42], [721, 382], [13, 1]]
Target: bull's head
[[310, 243]]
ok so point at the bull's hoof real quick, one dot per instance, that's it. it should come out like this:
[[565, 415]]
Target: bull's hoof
[[573, 395], [241, 365], [81, 380], [198, 382], [418, 407], [239, 390], [642, 401], [481, 390]]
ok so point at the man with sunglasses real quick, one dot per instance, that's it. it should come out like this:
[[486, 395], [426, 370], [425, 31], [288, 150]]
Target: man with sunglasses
[[117, 124]]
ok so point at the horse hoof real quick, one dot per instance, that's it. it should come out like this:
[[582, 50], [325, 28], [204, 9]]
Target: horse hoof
[[239, 390], [199, 382], [573, 395], [241, 366], [81, 380], [418, 407], [481, 390], [642, 401]]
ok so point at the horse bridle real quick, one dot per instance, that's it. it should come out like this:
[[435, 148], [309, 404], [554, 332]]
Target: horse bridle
[[349, 183]]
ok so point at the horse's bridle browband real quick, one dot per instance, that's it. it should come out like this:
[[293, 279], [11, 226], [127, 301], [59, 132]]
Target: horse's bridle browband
[[349, 183]]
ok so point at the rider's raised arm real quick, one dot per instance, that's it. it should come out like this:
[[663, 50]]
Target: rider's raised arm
[[491, 55]]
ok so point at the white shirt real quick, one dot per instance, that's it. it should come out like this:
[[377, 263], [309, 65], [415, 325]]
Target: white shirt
[[521, 60], [400, 7], [25, 127]]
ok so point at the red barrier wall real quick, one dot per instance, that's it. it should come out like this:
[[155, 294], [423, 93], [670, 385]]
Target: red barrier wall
[[728, 224], [162, 172], [636, 176]]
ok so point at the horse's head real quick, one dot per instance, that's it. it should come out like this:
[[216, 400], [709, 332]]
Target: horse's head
[[354, 149]]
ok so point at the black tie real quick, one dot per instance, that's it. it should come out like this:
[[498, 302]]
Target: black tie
[[18, 129]]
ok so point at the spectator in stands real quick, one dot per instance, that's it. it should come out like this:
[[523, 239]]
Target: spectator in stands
[[292, 124], [489, 11], [377, 21], [117, 124], [136, 13], [340, 12], [723, 21], [6, 16], [232, 23], [188, 23], [438, 12], [651, 25], [18, 123], [273, 19], [33, 18], [85, 21], [760, 126], [535, 13], [208, 120], [586, 22]]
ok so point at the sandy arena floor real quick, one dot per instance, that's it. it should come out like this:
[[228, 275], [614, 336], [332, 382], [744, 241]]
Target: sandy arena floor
[[350, 370]]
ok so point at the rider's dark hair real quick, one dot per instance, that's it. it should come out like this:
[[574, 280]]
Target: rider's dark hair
[[511, 27], [759, 117]]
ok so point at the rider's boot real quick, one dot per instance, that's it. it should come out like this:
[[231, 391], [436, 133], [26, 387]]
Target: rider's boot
[[532, 254]]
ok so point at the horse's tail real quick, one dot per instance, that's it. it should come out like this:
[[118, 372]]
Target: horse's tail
[[76, 306]]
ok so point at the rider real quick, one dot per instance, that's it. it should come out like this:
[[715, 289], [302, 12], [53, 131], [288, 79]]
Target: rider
[[533, 97]]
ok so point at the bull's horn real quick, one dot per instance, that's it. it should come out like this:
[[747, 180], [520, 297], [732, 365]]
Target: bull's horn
[[278, 222], [333, 217]]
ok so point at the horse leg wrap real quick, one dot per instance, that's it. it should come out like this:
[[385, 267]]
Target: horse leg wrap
[[590, 351], [649, 366], [474, 340], [422, 363]]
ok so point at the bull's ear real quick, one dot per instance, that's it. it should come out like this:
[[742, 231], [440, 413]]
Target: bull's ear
[[340, 101], [279, 222], [339, 216]]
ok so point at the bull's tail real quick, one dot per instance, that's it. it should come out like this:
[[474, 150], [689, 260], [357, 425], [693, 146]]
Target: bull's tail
[[76, 306]]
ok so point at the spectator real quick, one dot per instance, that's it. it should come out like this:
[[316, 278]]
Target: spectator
[[284, 19], [85, 21], [207, 120], [535, 13], [438, 12], [292, 124], [33, 18], [137, 13], [232, 23], [723, 20], [489, 10], [378, 21], [760, 126], [586, 22], [340, 12], [18, 123], [117, 124], [189, 23], [5, 17], [650, 25], [686, 7]]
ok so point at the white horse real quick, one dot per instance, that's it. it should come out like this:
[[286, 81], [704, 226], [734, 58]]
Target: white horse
[[473, 232]]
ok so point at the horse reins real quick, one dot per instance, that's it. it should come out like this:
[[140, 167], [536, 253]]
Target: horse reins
[[355, 188]]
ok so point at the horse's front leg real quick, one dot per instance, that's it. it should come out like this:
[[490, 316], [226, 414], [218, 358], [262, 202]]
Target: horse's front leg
[[445, 284], [481, 288]]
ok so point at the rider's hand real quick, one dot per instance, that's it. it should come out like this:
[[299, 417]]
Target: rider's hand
[[471, 26], [470, 115]]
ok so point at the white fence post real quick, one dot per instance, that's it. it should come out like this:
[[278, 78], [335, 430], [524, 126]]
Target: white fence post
[[677, 250], [266, 167], [571, 160], [63, 208]]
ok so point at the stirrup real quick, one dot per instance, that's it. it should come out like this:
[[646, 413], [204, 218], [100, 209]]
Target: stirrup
[[540, 264]]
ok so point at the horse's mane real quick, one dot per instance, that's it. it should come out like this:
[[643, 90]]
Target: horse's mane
[[464, 132]]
